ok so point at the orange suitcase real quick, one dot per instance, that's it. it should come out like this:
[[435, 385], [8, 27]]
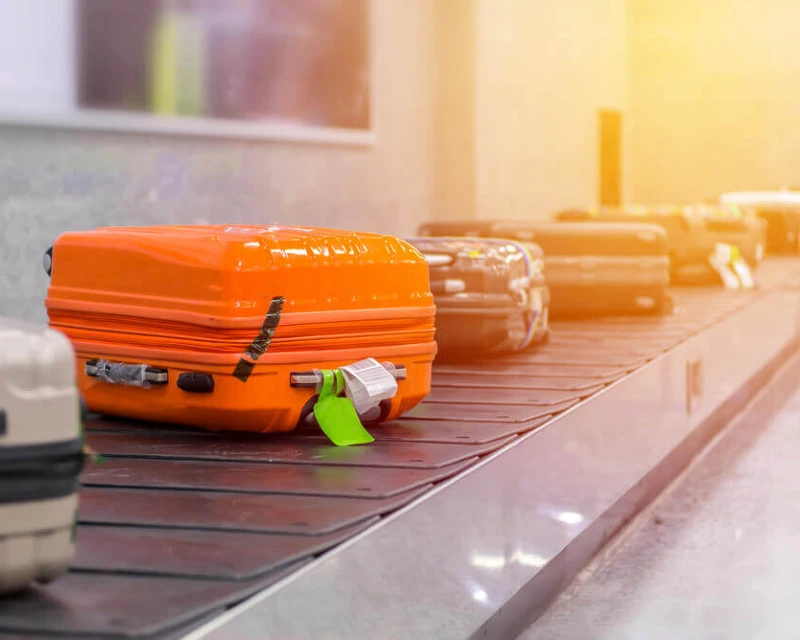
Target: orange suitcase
[[226, 327]]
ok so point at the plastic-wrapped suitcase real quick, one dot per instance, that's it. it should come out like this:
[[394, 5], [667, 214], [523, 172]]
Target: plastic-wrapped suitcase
[[689, 246], [490, 295], [41, 454], [228, 327], [592, 269], [780, 210]]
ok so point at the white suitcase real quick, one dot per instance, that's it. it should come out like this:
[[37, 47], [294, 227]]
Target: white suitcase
[[40, 454]]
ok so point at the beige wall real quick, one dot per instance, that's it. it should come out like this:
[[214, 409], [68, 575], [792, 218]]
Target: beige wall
[[53, 181], [714, 97], [485, 107], [544, 69], [454, 118]]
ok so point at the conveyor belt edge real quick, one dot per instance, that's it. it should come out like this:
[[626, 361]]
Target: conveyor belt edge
[[484, 553]]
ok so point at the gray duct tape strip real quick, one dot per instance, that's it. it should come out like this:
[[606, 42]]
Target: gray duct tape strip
[[131, 375], [259, 346]]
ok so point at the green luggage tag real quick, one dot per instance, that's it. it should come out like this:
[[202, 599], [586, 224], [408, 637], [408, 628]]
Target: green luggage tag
[[336, 414], [741, 269], [720, 261]]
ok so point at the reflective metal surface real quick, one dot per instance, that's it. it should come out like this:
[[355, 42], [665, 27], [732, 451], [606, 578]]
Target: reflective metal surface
[[197, 554], [536, 397], [505, 536], [119, 606], [717, 556], [246, 477], [486, 412], [313, 451], [220, 511]]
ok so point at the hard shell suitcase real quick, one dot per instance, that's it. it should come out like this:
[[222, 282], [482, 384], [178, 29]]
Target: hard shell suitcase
[[781, 212], [596, 269], [227, 327], [728, 224], [591, 269], [490, 295], [41, 454], [689, 246]]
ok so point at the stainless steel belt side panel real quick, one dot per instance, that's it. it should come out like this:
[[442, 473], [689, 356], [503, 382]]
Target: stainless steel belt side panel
[[484, 552]]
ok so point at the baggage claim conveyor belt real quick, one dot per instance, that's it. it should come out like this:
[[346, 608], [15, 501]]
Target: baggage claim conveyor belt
[[464, 519]]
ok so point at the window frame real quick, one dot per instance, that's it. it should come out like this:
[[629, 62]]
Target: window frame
[[108, 120]]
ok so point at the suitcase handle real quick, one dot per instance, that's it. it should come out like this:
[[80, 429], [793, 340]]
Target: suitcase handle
[[438, 259], [148, 375], [450, 285], [311, 379]]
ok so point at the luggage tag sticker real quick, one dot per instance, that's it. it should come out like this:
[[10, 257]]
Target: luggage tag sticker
[[720, 260], [367, 383], [336, 414], [259, 346], [742, 269]]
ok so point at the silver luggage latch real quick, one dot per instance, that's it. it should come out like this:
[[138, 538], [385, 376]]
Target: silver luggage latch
[[312, 379]]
